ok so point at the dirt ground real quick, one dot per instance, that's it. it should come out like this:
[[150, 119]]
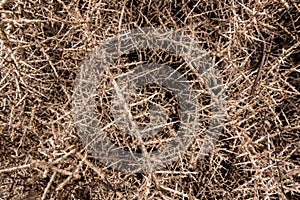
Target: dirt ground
[[255, 46]]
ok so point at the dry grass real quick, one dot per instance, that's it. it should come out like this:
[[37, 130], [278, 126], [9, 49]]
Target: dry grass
[[255, 45]]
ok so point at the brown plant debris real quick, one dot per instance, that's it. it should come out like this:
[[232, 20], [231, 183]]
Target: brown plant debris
[[255, 46]]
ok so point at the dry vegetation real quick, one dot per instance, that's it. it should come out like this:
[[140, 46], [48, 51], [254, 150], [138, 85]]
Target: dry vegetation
[[255, 45]]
